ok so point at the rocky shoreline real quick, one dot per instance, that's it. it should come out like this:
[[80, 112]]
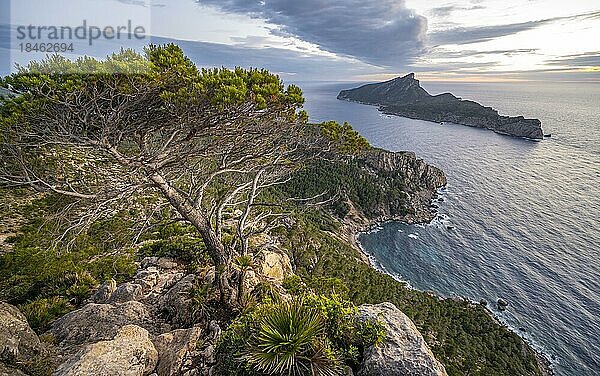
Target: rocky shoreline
[[353, 233], [429, 179]]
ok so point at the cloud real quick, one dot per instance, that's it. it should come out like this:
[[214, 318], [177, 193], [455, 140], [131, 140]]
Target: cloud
[[383, 32], [477, 34], [289, 64], [588, 59], [446, 10], [439, 52]]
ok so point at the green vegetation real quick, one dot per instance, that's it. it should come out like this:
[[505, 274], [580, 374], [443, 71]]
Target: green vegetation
[[154, 134], [462, 336], [373, 194], [316, 333], [46, 282], [290, 340], [346, 139]]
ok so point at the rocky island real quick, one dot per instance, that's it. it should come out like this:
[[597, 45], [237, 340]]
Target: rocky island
[[404, 96]]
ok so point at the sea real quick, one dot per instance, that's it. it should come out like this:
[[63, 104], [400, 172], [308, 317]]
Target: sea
[[519, 219]]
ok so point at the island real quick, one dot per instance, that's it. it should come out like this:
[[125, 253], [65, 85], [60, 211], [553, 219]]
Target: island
[[404, 96]]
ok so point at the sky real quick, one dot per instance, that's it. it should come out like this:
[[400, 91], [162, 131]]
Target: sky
[[368, 40]]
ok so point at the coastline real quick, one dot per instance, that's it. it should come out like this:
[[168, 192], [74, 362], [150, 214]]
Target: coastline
[[352, 231], [386, 111]]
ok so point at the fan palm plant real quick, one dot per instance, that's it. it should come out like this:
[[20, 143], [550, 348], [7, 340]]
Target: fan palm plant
[[291, 342]]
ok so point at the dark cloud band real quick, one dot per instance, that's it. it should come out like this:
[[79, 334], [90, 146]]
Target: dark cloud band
[[383, 32]]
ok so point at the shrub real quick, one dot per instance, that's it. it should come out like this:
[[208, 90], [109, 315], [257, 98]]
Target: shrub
[[293, 284], [184, 248], [291, 341], [40, 313], [319, 332], [349, 335]]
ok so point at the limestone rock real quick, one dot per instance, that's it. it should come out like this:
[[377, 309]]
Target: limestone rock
[[130, 353], [420, 181], [97, 322], [17, 339], [274, 265], [177, 302], [147, 278], [126, 292], [104, 292], [159, 262], [157, 276], [9, 371], [404, 351], [175, 349], [205, 361]]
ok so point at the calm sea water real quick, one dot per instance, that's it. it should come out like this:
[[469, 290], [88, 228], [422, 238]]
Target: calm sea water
[[519, 219]]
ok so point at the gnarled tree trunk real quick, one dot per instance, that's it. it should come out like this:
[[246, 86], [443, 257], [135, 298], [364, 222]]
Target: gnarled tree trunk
[[215, 248]]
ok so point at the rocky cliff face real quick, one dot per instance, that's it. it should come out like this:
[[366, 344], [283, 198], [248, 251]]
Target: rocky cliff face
[[421, 182], [401, 89], [405, 97]]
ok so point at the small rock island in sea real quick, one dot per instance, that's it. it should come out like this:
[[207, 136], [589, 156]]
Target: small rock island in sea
[[404, 96]]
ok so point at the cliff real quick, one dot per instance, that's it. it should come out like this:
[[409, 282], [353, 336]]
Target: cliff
[[405, 97], [420, 184]]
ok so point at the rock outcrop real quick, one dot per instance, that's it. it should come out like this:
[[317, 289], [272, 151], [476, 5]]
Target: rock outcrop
[[130, 353], [97, 322], [176, 351], [274, 265], [141, 327], [403, 96], [404, 351], [420, 184], [18, 341], [176, 302]]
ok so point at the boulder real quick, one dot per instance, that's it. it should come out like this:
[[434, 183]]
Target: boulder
[[9, 371], [130, 353], [175, 350], [159, 262], [177, 302], [157, 276], [502, 304], [147, 278], [126, 292], [403, 352], [274, 265], [17, 339], [251, 280], [205, 362], [104, 292], [97, 322]]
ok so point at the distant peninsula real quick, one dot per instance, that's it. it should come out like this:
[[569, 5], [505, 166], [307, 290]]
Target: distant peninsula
[[404, 96]]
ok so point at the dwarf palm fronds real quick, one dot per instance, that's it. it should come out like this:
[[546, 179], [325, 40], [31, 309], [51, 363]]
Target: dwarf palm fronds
[[291, 341]]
